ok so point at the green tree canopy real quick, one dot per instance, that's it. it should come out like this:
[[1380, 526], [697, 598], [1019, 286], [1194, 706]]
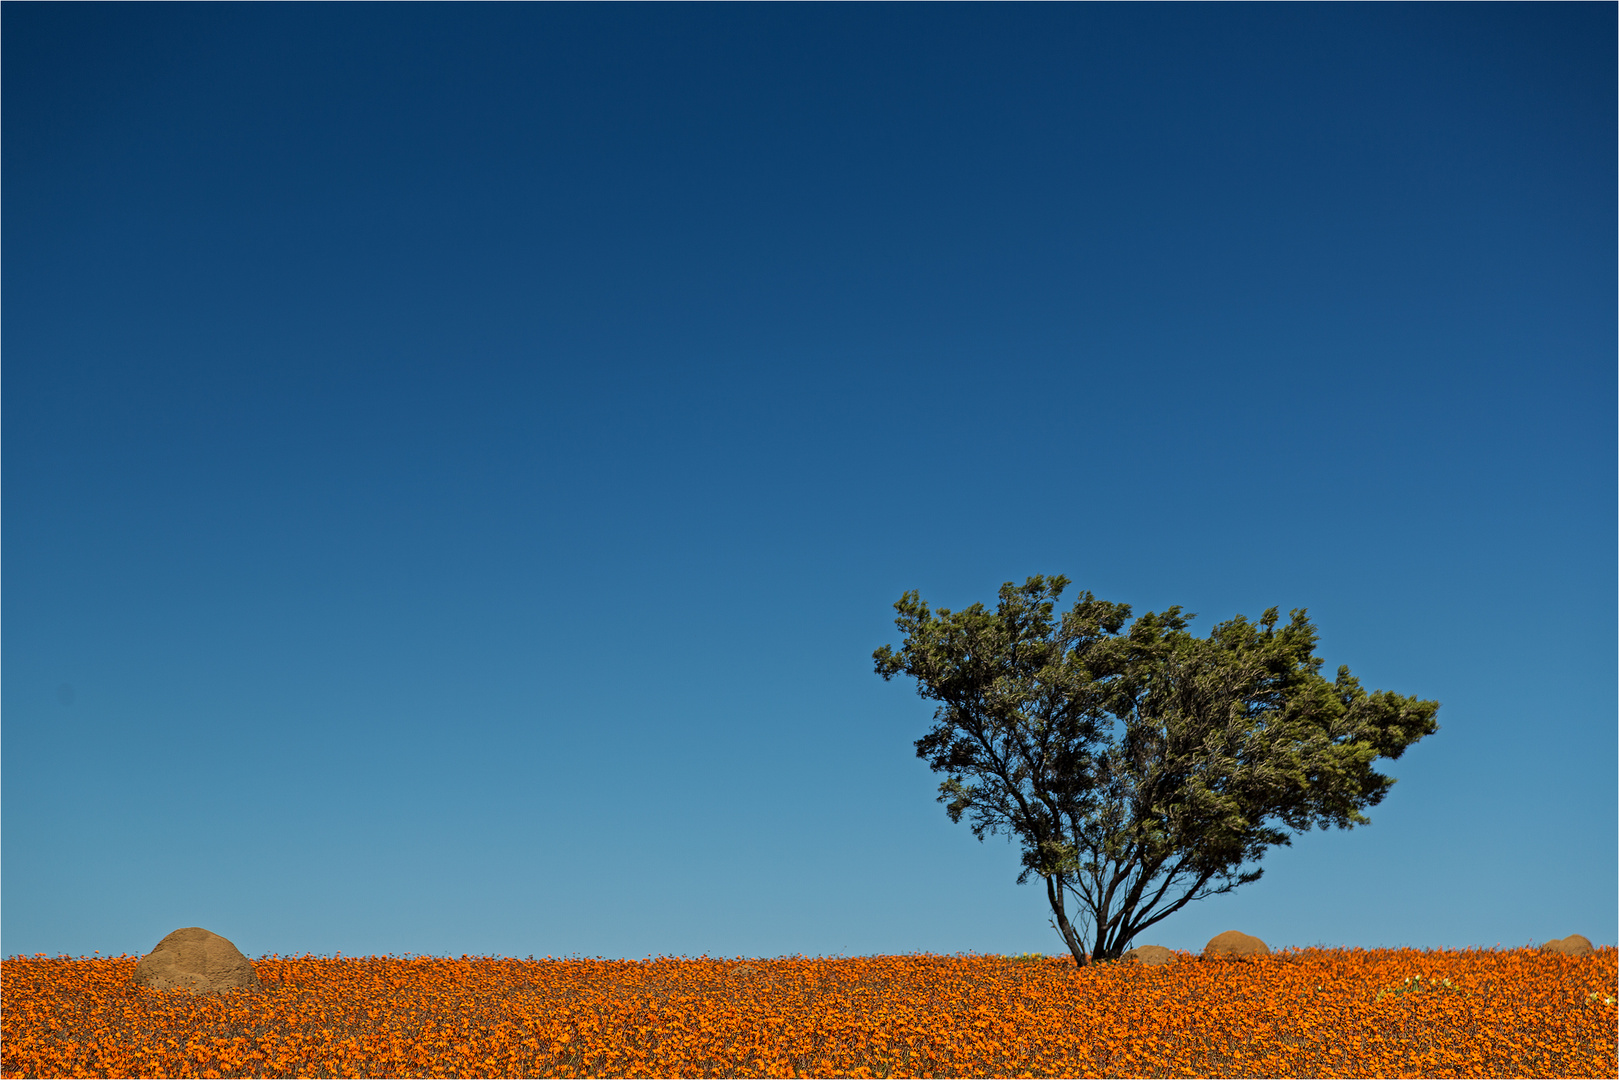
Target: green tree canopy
[[1140, 766]]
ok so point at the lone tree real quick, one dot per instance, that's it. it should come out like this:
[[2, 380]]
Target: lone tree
[[1141, 768]]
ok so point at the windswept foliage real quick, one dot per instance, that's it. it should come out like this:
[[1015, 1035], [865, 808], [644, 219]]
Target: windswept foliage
[[1316, 1012], [1141, 767]]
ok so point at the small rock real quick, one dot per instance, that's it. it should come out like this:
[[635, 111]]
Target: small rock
[[1573, 945], [195, 959], [1149, 955], [1234, 945]]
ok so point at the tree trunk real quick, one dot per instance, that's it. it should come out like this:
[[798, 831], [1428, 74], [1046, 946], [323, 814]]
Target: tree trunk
[[1054, 893], [1104, 951]]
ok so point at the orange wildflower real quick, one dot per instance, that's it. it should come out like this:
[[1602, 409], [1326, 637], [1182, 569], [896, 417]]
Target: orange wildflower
[[1313, 1012]]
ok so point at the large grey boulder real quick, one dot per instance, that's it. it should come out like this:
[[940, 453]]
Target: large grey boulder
[[192, 958]]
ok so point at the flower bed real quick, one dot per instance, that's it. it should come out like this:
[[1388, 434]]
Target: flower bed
[[1313, 1012]]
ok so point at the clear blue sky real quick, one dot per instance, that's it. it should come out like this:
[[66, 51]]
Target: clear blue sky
[[459, 460]]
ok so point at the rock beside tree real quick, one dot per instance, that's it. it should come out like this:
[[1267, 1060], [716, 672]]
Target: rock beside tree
[[1573, 945], [1234, 945], [1150, 956], [192, 958]]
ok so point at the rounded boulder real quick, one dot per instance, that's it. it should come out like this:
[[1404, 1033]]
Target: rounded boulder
[[192, 958], [1149, 956], [1573, 945], [1234, 945]]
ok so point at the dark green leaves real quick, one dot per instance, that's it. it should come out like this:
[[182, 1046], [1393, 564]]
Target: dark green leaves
[[1129, 758]]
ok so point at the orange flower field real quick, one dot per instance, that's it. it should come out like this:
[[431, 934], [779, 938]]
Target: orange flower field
[[1311, 1012]]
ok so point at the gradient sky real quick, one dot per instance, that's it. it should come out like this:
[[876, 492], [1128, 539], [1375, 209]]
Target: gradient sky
[[459, 460]]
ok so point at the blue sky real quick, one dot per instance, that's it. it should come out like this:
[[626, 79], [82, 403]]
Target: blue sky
[[458, 461]]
